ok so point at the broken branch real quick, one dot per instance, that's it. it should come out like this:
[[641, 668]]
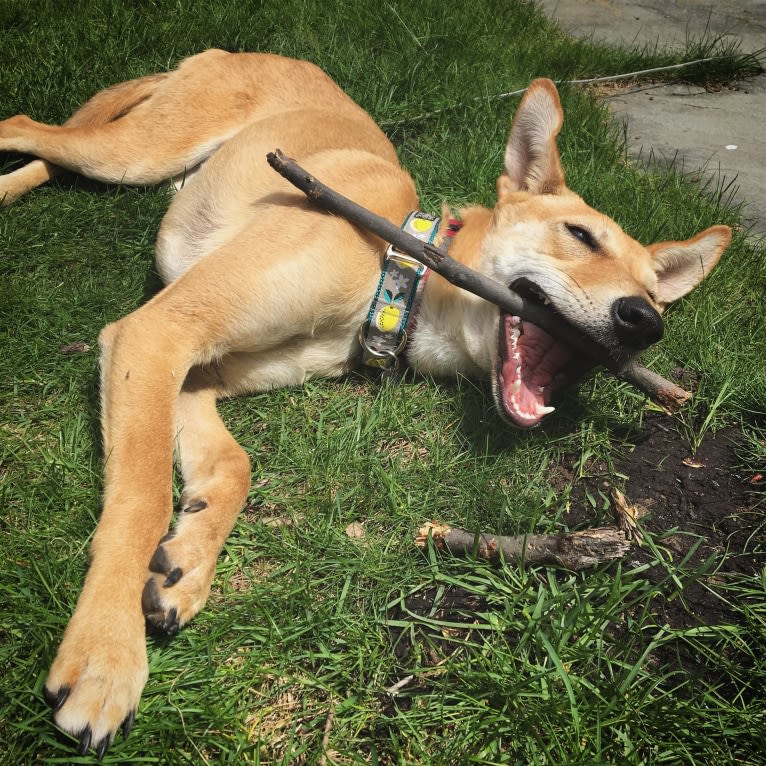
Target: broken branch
[[574, 550], [668, 395]]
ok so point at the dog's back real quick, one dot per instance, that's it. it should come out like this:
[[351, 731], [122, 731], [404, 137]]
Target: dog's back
[[164, 126]]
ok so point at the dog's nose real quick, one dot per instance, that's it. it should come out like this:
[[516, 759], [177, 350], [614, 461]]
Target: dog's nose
[[636, 323]]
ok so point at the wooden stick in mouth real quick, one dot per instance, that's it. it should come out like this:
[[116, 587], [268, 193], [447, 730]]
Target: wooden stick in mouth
[[663, 392]]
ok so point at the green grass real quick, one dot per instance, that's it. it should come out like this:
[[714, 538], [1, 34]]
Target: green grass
[[290, 661]]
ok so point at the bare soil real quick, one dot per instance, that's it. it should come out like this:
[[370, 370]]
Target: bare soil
[[704, 510]]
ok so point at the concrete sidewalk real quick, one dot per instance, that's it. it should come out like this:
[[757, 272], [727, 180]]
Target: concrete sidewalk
[[722, 133]]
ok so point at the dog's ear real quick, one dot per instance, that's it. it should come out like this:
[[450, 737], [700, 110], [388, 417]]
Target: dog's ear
[[681, 266], [532, 161]]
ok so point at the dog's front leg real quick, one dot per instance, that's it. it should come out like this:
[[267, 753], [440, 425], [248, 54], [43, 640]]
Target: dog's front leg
[[101, 668]]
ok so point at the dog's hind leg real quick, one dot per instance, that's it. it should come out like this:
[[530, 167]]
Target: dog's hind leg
[[104, 107], [141, 132], [18, 182], [216, 473]]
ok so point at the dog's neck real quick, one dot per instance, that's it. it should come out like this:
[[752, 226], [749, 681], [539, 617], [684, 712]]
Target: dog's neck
[[443, 340]]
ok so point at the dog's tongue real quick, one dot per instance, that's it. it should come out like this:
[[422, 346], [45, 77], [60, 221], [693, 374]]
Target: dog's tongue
[[530, 364]]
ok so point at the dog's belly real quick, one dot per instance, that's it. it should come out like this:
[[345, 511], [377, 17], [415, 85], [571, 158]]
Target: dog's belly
[[329, 355]]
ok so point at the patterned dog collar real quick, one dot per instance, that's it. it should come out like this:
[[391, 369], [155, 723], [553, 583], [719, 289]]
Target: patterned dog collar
[[383, 335]]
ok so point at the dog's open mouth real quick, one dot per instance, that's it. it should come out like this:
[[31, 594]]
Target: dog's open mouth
[[532, 365]]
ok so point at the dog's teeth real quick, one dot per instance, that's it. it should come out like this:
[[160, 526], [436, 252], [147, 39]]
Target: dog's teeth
[[515, 387], [545, 410]]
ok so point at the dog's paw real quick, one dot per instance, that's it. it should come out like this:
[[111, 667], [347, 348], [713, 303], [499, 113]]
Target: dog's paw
[[181, 572], [96, 680]]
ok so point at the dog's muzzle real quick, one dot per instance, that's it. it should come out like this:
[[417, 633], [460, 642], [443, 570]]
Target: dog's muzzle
[[532, 365]]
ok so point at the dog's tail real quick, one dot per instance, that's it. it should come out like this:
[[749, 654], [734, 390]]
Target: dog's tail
[[106, 106]]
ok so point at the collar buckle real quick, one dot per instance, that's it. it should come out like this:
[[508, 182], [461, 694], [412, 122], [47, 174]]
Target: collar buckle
[[392, 252]]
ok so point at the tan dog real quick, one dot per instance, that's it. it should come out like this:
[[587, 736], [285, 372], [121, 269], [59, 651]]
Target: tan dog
[[263, 290]]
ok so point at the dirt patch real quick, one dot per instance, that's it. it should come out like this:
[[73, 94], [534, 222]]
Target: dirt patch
[[705, 513], [701, 508]]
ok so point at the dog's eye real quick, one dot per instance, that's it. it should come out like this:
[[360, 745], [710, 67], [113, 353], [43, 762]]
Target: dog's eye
[[581, 233]]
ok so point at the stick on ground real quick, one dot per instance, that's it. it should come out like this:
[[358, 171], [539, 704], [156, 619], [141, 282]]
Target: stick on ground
[[668, 395], [575, 550]]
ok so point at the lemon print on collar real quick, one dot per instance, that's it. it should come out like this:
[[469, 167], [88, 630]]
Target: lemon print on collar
[[387, 318]]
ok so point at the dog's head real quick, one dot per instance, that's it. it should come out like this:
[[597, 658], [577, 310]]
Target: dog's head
[[546, 243]]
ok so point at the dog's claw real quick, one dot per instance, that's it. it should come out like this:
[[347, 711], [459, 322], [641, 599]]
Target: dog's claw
[[102, 747], [158, 619], [127, 724], [85, 736], [173, 577], [56, 699], [171, 625], [160, 563], [150, 603], [195, 506]]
